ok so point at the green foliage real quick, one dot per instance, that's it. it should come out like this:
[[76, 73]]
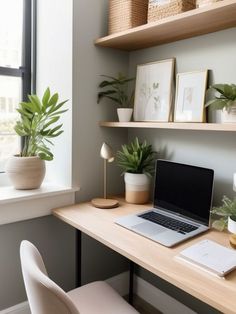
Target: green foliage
[[227, 96], [137, 158], [116, 89], [37, 124], [227, 209]]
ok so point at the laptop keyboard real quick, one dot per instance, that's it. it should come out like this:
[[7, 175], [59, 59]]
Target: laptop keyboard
[[170, 223]]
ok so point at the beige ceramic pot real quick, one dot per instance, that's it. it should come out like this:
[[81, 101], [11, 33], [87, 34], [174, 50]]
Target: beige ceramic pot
[[137, 187], [26, 173]]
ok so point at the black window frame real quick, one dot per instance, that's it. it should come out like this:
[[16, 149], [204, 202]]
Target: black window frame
[[27, 70]]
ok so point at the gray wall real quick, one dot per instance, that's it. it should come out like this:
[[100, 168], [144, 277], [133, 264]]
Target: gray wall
[[215, 150]]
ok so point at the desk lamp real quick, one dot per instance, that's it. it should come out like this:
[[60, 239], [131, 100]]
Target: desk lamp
[[107, 154]]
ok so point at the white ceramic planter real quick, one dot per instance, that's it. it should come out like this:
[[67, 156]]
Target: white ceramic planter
[[229, 116], [231, 225], [26, 173], [137, 187], [124, 114]]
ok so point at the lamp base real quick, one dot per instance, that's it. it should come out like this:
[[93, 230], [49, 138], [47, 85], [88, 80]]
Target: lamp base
[[104, 203]]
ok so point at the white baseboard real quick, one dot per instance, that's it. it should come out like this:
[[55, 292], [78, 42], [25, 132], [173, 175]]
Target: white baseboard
[[21, 308], [154, 296]]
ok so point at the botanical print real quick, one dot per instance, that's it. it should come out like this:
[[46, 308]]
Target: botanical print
[[187, 98], [153, 91]]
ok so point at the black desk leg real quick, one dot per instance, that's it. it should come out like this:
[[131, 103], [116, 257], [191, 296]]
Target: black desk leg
[[131, 282], [78, 257]]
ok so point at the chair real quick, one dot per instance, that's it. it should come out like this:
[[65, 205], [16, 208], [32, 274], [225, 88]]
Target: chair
[[46, 297]]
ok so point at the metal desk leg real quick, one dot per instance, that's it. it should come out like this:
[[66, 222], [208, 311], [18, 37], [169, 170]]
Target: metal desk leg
[[78, 257], [131, 282]]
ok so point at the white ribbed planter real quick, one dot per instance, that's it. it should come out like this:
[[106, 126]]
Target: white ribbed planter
[[124, 114], [26, 173], [229, 116], [231, 225], [137, 188]]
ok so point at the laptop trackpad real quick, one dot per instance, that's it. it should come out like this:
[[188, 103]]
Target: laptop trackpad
[[148, 228]]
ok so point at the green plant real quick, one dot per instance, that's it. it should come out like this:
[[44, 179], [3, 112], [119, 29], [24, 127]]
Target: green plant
[[228, 208], [226, 99], [116, 89], [136, 157], [37, 124]]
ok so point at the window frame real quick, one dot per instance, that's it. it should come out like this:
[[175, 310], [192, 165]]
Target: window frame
[[27, 71]]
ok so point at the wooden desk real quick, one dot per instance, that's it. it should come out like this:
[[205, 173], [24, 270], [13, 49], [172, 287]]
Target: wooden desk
[[99, 224]]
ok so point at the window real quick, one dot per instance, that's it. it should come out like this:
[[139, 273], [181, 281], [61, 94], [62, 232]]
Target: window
[[15, 70]]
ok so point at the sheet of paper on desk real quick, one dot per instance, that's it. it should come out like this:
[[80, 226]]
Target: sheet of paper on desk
[[210, 256]]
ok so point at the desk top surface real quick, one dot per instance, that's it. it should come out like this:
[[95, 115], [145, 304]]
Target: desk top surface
[[160, 260]]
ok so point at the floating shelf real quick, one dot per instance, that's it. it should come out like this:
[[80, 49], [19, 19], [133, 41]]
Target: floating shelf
[[230, 127], [211, 18]]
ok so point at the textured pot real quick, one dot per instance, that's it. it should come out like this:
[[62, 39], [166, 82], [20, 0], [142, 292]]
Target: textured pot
[[26, 173], [231, 225], [124, 114], [137, 187], [229, 116]]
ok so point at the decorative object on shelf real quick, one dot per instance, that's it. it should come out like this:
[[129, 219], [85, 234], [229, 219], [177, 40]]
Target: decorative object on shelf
[[116, 89], [153, 92], [159, 9], [137, 161], [107, 155], [203, 3], [126, 14], [227, 215], [226, 101], [190, 96], [36, 127]]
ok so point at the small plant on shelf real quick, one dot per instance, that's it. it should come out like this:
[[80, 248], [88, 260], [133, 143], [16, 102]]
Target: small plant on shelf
[[226, 98], [117, 90]]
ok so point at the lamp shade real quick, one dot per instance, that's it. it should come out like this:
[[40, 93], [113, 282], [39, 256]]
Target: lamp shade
[[106, 152]]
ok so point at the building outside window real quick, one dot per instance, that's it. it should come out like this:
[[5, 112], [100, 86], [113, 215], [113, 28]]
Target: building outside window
[[15, 70]]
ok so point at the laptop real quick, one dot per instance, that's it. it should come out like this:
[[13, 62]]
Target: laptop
[[182, 203]]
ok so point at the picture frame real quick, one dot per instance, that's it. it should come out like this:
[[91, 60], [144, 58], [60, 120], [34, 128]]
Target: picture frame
[[190, 96], [154, 91]]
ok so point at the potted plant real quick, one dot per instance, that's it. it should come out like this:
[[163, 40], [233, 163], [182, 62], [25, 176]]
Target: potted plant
[[37, 127], [227, 214], [137, 161], [225, 100], [116, 89]]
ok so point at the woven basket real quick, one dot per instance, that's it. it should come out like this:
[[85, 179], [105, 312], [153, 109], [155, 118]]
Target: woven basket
[[125, 14], [203, 3], [159, 9]]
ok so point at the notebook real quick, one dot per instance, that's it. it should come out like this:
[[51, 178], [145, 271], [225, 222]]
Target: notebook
[[210, 256]]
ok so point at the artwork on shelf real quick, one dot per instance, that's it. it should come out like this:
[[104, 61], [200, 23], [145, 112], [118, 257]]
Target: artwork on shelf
[[153, 92], [190, 96]]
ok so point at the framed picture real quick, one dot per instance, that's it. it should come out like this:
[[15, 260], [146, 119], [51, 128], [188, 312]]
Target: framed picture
[[190, 96], [153, 92]]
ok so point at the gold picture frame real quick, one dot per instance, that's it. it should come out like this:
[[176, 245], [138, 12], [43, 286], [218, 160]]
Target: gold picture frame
[[154, 91], [190, 96]]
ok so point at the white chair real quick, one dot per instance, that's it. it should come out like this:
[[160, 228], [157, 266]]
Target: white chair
[[46, 297]]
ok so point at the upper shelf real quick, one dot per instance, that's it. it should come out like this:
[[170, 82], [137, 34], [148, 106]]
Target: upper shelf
[[230, 127], [211, 18]]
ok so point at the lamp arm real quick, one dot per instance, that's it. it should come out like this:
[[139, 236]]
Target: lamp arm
[[105, 179]]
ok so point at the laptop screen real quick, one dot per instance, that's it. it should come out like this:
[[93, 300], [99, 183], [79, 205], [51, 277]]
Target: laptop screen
[[184, 189]]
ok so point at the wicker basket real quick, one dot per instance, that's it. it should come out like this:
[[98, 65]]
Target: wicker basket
[[125, 14], [159, 9], [203, 3]]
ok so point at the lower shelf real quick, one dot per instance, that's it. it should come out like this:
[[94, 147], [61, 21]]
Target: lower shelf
[[230, 127]]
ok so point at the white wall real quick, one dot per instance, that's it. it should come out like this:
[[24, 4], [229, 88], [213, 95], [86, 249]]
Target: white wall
[[54, 69]]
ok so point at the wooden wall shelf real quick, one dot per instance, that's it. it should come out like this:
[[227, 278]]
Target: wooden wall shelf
[[229, 127], [212, 18]]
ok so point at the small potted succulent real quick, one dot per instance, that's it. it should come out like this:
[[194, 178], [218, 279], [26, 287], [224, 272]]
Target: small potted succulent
[[116, 89], [137, 161], [37, 127], [227, 215], [225, 101]]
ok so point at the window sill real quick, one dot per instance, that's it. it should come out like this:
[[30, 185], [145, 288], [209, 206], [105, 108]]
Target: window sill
[[18, 205]]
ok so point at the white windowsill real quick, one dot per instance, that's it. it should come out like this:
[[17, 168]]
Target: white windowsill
[[9, 195], [20, 205]]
